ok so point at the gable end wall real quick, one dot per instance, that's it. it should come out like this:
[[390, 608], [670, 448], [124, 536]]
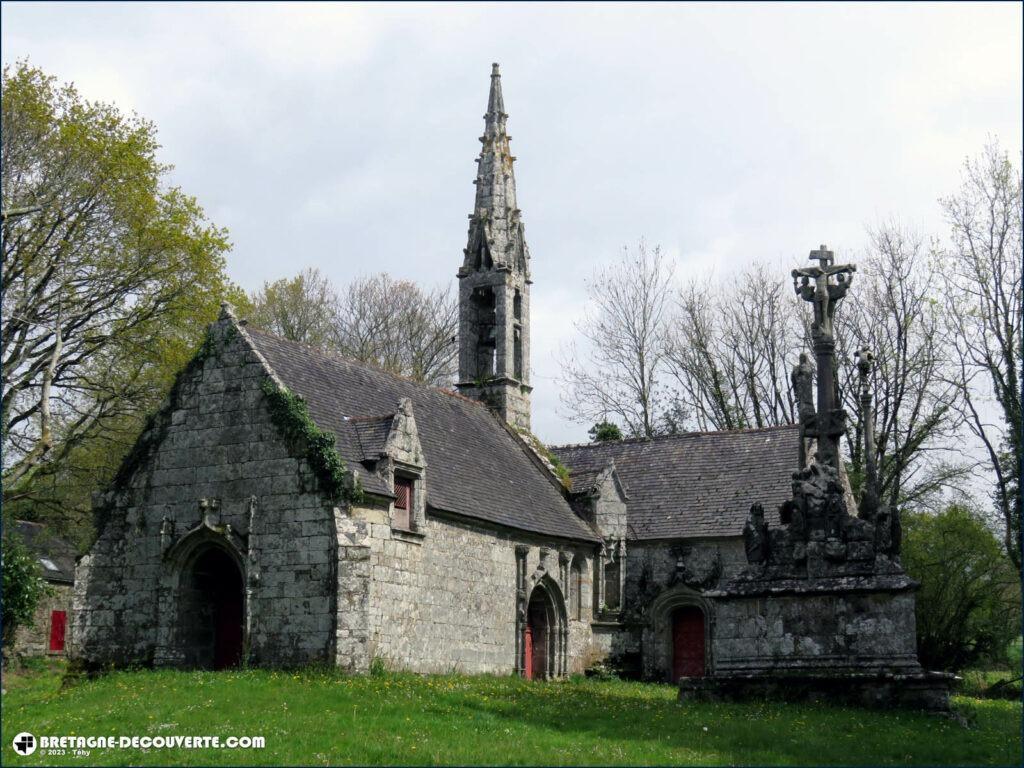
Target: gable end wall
[[217, 441]]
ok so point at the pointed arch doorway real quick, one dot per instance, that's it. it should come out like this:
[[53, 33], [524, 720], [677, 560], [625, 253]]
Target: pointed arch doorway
[[544, 633], [212, 610]]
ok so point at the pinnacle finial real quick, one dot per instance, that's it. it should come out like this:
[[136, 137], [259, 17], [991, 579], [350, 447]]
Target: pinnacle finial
[[495, 102]]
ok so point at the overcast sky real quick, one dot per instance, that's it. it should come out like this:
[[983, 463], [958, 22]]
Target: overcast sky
[[344, 136]]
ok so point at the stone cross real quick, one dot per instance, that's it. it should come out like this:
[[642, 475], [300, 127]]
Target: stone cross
[[830, 284], [823, 256]]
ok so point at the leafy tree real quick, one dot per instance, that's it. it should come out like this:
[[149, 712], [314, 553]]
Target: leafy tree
[[23, 586], [968, 606], [604, 432], [110, 275]]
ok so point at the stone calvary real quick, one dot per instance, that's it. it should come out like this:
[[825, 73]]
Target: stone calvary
[[286, 506], [824, 608]]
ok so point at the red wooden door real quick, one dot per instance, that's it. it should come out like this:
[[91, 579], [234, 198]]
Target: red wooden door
[[58, 625], [687, 643], [227, 651], [528, 652]]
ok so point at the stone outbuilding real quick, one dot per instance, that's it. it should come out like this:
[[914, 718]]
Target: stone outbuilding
[[47, 635]]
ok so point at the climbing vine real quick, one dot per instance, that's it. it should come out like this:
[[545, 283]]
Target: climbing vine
[[289, 413]]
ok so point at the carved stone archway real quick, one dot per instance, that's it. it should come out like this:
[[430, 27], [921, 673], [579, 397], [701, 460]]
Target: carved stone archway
[[542, 619], [204, 579], [657, 632]]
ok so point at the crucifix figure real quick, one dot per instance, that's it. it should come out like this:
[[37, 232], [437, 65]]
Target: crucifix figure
[[824, 286]]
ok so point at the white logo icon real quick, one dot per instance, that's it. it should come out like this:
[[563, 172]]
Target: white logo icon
[[24, 744]]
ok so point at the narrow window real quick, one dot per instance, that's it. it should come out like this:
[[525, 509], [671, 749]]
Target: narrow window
[[485, 330], [518, 354], [576, 590], [611, 586], [403, 502], [58, 625]]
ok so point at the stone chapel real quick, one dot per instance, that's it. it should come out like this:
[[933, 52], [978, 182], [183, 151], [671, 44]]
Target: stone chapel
[[287, 506]]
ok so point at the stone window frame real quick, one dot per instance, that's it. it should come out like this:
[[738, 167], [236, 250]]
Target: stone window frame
[[575, 588], [417, 503], [613, 551]]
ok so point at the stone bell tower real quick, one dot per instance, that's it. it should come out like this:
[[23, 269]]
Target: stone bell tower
[[494, 281]]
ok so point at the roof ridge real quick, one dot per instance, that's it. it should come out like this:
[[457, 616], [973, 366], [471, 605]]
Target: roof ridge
[[676, 436], [368, 364]]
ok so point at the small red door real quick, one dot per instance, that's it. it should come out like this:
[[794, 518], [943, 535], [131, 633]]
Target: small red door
[[528, 652], [687, 643], [58, 625]]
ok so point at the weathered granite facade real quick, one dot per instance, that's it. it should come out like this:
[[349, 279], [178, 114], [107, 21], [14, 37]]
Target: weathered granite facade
[[213, 472]]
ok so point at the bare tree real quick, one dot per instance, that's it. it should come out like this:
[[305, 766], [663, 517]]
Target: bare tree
[[301, 308], [620, 373], [399, 326], [728, 351], [732, 348], [982, 280], [893, 311]]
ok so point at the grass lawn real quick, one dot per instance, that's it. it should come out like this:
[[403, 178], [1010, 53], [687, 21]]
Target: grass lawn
[[320, 717]]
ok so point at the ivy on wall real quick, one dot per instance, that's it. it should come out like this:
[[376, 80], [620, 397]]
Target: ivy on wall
[[289, 414]]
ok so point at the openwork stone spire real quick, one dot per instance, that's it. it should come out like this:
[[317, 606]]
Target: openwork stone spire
[[494, 280], [495, 229]]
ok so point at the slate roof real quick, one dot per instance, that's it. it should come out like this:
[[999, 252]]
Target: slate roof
[[585, 480], [694, 485], [372, 433], [49, 550], [475, 467]]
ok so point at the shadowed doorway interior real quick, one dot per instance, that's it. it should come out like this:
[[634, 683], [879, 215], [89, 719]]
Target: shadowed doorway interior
[[537, 637], [212, 611]]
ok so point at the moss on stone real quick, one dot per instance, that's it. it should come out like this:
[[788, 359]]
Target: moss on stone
[[561, 471]]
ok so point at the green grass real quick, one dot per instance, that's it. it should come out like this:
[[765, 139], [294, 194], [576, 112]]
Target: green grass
[[990, 683], [322, 717]]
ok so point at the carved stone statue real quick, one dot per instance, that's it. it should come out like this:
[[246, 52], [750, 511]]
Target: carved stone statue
[[755, 536], [802, 379]]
